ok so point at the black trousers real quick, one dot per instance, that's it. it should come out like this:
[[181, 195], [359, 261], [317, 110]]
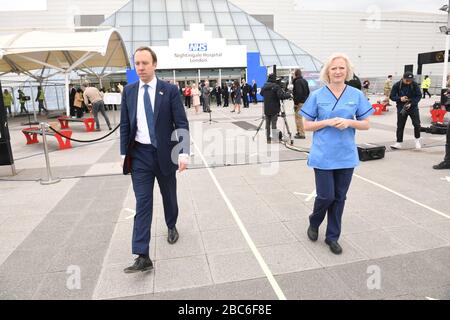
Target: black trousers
[[271, 121], [41, 106], [225, 100], [425, 91], [245, 100], [401, 122], [187, 101]]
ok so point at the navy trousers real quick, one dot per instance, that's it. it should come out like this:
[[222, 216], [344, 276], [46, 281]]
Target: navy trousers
[[145, 168], [331, 189]]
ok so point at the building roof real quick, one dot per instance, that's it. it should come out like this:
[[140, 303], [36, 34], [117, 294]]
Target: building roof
[[153, 22]]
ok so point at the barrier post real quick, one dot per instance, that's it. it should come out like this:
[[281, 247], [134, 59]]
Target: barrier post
[[50, 179]]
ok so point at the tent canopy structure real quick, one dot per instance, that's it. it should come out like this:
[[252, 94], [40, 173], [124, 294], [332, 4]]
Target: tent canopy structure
[[63, 52]]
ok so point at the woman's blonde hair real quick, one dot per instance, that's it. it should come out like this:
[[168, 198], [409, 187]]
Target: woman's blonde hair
[[324, 72]]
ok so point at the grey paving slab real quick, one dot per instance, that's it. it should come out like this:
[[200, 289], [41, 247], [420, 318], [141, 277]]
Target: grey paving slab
[[20, 223], [83, 256], [186, 223], [19, 286], [215, 220], [62, 286], [439, 293], [417, 237], [357, 276], [186, 246], [287, 258], [382, 219], [313, 285], [41, 240], [290, 210], [298, 228], [377, 244], [114, 283], [321, 252], [11, 240], [92, 235], [259, 214], [258, 289], [181, 273], [279, 197], [236, 266], [270, 234], [28, 262], [224, 240], [59, 222]]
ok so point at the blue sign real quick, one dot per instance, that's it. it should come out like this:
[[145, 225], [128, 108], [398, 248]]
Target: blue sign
[[198, 47]]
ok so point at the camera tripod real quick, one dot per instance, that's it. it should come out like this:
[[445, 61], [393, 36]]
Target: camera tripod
[[281, 135], [210, 120]]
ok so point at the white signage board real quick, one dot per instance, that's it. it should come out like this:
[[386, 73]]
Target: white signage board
[[199, 50], [112, 98]]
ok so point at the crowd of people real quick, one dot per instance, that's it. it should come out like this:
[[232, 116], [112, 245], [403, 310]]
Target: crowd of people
[[232, 93]]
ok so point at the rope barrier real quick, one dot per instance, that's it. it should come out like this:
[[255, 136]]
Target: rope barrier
[[84, 141]]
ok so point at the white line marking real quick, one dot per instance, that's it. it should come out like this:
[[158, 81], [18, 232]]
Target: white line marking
[[404, 197], [446, 179], [301, 194], [428, 298], [241, 226], [311, 195], [132, 211]]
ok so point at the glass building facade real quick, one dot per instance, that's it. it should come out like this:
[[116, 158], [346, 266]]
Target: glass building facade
[[153, 22]]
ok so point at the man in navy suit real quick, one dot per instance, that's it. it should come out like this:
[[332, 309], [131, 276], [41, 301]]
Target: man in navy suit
[[154, 141]]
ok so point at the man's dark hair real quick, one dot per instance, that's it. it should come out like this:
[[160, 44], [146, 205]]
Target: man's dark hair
[[390, 76], [155, 59], [298, 73]]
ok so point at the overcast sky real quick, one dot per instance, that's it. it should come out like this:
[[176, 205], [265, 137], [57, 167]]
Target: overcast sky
[[431, 6]]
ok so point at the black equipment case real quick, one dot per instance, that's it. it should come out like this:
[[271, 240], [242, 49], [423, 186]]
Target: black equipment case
[[369, 151]]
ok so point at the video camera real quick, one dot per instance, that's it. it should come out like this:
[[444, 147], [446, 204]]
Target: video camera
[[281, 81]]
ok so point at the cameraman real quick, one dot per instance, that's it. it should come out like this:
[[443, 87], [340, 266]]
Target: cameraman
[[446, 163], [272, 93], [300, 94], [406, 93]]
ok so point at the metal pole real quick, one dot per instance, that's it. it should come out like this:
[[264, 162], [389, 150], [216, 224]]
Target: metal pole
[[57, 96], [199, 76], [447, 44], [32, 101], [66, 91], [220, 77], [174, 77], [50, 179]]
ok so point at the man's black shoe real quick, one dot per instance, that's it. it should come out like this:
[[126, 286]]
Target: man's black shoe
[[141, 264], [269, 140], [334, 246], [299, 136], [313, 234], [173, 235], [442, 165]]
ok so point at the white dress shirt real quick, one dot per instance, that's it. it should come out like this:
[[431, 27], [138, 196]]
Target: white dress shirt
[[142, 134]]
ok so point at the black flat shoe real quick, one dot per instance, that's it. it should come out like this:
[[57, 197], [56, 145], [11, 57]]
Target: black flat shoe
[[313, 234], [442, 165], [141, 264], [334, 246], [173, 235]]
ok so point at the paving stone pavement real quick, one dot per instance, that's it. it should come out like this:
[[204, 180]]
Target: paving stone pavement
[[395, 247]]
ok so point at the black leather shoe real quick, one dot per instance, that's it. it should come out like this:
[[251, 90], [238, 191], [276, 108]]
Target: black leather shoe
[[299, 136], [173, 235], [334, 246], [313, 234], [141, 264], [442, 165]]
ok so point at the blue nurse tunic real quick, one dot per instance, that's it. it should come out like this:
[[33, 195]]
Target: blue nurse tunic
[[333, 148]]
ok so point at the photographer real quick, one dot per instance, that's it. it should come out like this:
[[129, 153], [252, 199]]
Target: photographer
[[406, 93], [446, 163], [300, 94], [272, 93]]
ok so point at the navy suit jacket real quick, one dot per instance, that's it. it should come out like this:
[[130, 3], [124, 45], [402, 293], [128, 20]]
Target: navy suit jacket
[[169, 115]]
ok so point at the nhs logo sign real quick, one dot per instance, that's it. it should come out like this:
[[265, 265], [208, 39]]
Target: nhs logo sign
[[198, 47]]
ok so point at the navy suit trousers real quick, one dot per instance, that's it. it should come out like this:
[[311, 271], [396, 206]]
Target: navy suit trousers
[[145, 168], [331, 189]]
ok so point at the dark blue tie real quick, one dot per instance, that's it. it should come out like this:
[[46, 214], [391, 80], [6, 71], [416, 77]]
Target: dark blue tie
[[149, 114]]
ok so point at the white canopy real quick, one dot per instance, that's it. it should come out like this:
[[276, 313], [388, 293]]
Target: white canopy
[[61, 51]]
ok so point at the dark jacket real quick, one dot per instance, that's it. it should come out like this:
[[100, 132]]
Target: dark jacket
[[169, 115], [300, 91], [355, 82], [412, 91], [272, 94]]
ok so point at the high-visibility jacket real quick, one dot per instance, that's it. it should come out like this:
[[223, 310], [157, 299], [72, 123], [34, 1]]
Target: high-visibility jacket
[[426, 83]]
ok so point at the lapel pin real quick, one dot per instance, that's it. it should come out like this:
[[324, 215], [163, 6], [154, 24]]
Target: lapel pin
[[161, 93]]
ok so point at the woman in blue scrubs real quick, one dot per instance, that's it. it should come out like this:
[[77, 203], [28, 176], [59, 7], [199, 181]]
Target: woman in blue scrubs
[[333, 113]]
